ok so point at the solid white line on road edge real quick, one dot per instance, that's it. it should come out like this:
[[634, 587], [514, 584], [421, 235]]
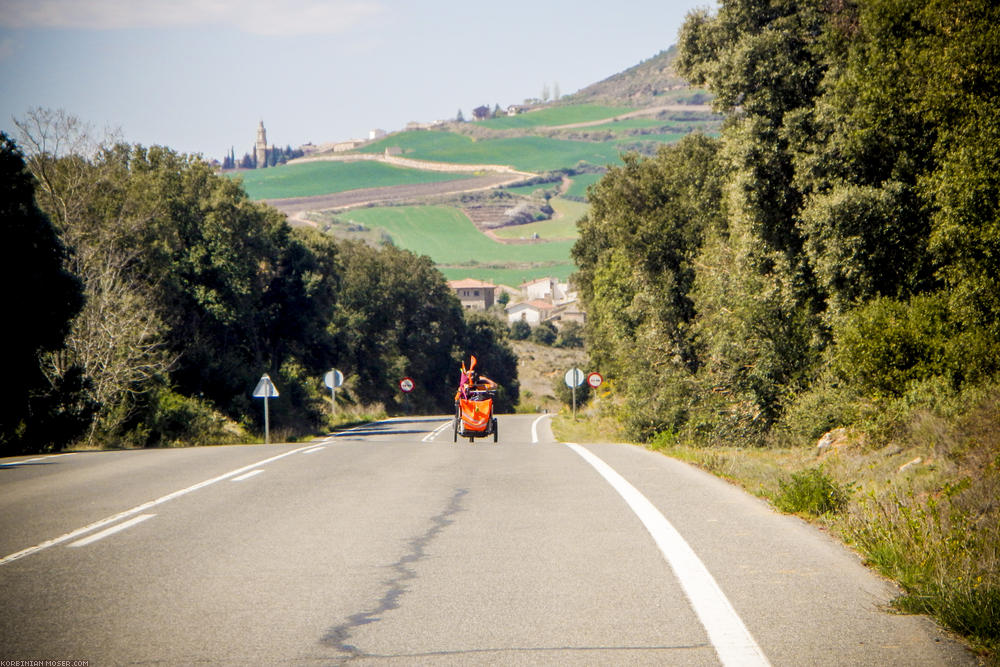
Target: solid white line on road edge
[[730, 637], [248, 475], [111, 531], [141, 508], [433, 434], [534, 428], [313, 450]]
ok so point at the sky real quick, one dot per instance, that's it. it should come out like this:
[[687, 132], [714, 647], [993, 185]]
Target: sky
[[198, 75]]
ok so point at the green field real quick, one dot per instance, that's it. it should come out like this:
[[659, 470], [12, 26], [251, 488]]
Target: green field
[[580, 184], [448, 237], [554, 117], [563, 226], [528, 153], [511, 277], [460, 250], [309, 179]]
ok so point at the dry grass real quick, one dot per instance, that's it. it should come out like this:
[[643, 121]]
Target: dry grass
[[539, 367]]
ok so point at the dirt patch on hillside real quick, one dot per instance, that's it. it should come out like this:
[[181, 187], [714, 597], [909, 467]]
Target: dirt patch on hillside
[[539, 367]]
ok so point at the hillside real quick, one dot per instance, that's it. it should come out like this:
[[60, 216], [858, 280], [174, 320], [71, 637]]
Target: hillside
[[540, 161], [651, 82]]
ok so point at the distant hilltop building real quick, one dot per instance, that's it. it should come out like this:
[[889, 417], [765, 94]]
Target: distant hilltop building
[[260, 152]]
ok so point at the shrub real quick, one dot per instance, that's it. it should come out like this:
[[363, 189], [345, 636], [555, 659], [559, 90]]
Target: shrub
[[565, 394], [811, 491], [173, 419], [520, 330], [570, 336], [544, 334]]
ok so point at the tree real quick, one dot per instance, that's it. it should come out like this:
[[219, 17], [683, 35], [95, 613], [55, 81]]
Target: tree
[[459, 118], [396, 317], [570, 335], [519, 330], [45, 300], [544, 333], [486, 338]]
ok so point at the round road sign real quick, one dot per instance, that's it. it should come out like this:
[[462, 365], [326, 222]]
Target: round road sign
[[333, 379], [595, 380], [406, 384], [574, 377]]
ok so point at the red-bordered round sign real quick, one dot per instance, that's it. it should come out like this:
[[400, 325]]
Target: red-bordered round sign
[[595, 380], [406, 384]]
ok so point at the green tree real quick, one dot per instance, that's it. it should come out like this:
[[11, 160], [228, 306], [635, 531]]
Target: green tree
[[485, 337], [544, 333], [519, 330], [396, 317], [36, 414]]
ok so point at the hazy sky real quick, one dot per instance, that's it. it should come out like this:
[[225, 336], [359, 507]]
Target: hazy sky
[[197, 75]]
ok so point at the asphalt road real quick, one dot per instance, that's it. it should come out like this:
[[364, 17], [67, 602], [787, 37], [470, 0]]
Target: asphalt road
[[391, 544]]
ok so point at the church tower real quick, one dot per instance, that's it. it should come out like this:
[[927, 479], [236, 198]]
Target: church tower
[[261, 149]]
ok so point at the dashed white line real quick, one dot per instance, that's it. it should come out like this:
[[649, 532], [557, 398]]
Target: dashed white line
[[111, 531], [732, 641], [141, 508], [433, 434]]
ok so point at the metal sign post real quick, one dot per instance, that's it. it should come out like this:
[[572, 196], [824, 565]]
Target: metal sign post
[[333, 379], [573, 379], [406, 386], [265, 389]]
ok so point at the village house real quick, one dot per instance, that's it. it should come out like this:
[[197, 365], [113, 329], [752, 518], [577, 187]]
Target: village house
[[532, 312], [474, 294], [545, 288]]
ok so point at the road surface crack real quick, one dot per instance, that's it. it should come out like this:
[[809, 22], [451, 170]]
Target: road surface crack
[[338, 636]]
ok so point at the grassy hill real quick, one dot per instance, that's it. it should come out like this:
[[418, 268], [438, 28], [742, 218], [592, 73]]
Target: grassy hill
[[309, 179], [567, 144]]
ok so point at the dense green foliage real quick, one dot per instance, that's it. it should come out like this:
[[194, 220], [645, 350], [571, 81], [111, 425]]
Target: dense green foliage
[[832, 260], [841, 235], [42, 298], [192, 291]]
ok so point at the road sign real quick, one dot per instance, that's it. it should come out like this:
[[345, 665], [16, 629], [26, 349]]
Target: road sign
[[595, 380], [333, 379], [574, 378], [406, 384], [265, 388]]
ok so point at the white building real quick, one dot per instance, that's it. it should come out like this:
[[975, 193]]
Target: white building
[[532, 312]]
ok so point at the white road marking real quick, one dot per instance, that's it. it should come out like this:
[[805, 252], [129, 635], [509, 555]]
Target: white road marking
[[433, 434], [534, 428], [730, 637], [141, 508], [111, 531], [248, 475], [37, 459], [313, 450]]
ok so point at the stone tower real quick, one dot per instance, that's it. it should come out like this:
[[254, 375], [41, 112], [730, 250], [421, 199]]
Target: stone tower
[[261, 150]]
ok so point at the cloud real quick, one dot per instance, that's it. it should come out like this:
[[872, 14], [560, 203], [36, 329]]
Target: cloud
[[262, 17]]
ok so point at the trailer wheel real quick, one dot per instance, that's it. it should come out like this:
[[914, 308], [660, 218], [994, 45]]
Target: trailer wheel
[[494, 429]]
